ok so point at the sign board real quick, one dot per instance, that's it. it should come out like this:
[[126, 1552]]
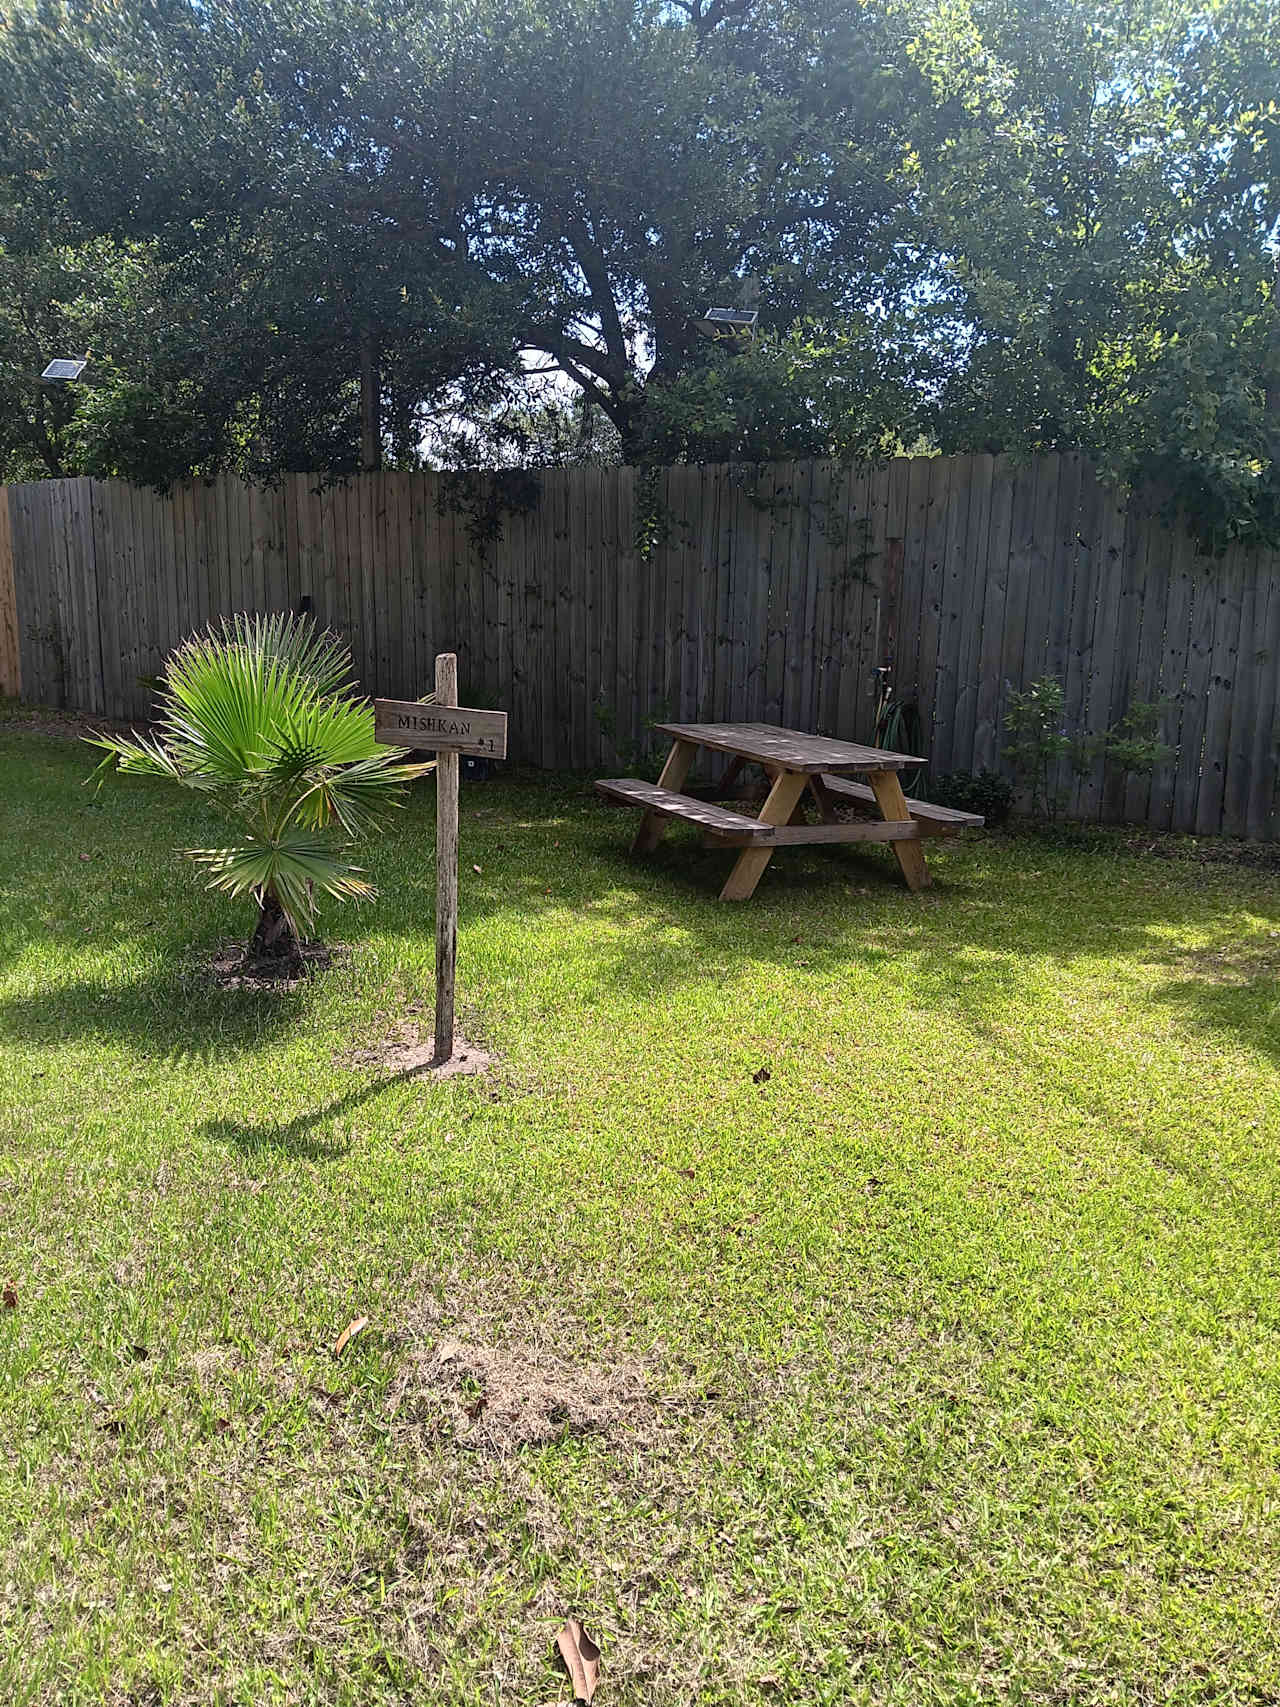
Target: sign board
[[440, 728]]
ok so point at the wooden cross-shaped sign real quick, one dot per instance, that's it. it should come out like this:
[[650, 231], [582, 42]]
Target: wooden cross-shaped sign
[[449, 729], [436, 724]]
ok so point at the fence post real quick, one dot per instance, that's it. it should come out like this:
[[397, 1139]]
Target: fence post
[[10, 651]]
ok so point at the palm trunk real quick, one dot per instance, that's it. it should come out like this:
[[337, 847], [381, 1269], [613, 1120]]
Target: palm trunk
[[273, 937]]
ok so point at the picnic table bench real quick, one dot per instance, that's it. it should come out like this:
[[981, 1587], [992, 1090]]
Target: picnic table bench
[[799, 766]]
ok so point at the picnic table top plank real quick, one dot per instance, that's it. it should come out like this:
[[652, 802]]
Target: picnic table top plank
[[791, 749]]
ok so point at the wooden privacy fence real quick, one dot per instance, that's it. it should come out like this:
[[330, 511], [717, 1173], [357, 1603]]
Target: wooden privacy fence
[[765, 593]]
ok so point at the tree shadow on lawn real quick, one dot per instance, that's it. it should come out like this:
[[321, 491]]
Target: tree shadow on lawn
[[997, 907], [1007, 919], [84, 872], [171, 1013], [999, 903], [1229, 986]]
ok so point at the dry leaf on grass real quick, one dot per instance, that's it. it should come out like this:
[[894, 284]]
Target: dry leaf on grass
[[581, 1659], [355, 1326], [9, 1296], [761, 1076]]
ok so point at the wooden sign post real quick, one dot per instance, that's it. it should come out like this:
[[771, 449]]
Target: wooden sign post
[[447, 769], [449, 729]]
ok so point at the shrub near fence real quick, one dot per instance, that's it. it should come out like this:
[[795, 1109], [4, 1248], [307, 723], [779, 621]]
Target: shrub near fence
[[764, 592]]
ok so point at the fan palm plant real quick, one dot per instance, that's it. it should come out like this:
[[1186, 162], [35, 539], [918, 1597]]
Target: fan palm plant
[[260, 716]]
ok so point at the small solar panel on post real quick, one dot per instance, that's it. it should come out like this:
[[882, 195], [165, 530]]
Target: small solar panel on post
[[65, 368], [738, 324]]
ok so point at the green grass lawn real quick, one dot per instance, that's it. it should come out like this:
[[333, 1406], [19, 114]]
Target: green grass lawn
[[941, 1365]]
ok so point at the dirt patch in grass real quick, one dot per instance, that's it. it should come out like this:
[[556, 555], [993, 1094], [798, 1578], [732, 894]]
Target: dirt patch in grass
[[534, 1454], [407, 1049], [550, 1469], [234, 969], [497, 1387], [499, 1398], [62, 725]]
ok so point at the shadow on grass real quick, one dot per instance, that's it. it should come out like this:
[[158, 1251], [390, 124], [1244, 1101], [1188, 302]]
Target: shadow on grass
[[294, 1138], [997, 907], [966, 944], [1000, 904], [174, 1014], [1229, 986]]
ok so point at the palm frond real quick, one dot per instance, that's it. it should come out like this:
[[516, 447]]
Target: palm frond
[[136, 755], [257, 693], [361, 796], [298, 645], [327, 731], [296, 867], [259, 712], [221, 704]]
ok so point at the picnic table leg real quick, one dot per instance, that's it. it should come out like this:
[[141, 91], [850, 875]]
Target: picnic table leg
[[773, 772], [733, 770], [825, 799], [749, 866], [893, 808], [676, 769]]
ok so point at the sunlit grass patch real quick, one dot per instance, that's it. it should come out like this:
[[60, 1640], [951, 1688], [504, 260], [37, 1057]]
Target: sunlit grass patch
[[921, 1248]]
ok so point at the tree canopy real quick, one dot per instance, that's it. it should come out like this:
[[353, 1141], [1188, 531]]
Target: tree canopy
[[1003, 224]]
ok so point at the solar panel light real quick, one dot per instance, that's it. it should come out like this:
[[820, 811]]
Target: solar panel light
[[64, 368], [738, 323]]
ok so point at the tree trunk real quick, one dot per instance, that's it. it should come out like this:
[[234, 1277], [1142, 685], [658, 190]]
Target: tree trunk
[[45, 443], [370, 403], [273, 937], [628, 418], [1271, 391]]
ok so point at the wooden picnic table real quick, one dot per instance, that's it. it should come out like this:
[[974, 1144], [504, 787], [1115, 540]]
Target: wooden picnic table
[[800, 767]]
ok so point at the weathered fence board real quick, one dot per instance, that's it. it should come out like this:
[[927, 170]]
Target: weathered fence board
[[1263, 815], [1222, 686], [10, 645], [748, 593], [1173, 669], [1235, 803], [989, 696]]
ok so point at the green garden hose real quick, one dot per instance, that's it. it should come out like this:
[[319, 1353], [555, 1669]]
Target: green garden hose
[[898, 728]]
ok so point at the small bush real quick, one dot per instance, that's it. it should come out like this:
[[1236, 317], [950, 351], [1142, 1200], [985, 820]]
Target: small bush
[[1037, 740], [1040, 740], [968, 791]]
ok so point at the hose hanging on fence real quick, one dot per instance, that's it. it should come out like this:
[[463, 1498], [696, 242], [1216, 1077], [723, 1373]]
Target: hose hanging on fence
[[899, 730]]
